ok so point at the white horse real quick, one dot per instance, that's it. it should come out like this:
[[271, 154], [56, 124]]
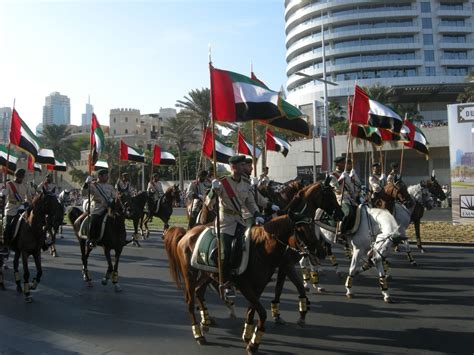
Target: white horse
[[371, 241]]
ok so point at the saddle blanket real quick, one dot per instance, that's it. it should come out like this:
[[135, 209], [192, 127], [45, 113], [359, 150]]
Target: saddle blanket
[[205, 252], [85, 226], [323, 220]]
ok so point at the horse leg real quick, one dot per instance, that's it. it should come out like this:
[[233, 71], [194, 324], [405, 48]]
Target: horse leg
[[278, 290], [26, 277], [249, 326], [54, 252], [189, 294], [305, 265], [117, 286], [2, 284], [303, 301], [409, 256], [378, 260], [110, 267], [333, 260], [416, 223], [16, 263], [356, 255], [85, 251], [206, 320], [39, 270]]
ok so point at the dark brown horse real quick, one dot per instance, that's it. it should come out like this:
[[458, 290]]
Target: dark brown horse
[[57, 218], [113, 239], [165, 209], [134, 208], [30, 239]]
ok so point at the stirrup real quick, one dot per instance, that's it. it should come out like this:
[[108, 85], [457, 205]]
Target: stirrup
[[226, 291]]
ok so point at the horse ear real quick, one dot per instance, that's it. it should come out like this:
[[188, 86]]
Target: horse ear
[[422, 183], [433, 175]]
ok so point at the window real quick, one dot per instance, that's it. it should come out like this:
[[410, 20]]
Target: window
[[430, 71], [136, 120], [454, 38], [144, 130], [425, 7], [426, 23], [115, 132], [162, 130], [115, 120], [428, 39], [429, 56], [126, 119], [455, 55], [453, 23], [450, 6], [136, 131], [456, 71], [126, 131]]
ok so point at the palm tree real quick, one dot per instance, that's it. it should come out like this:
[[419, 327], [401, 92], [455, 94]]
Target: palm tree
[[380, 93], [466, 96], [198, 105], [181, 132], [57, 138], [337, 117]]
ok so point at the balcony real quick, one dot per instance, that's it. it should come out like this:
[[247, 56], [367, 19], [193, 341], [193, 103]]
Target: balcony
[[455, 29]]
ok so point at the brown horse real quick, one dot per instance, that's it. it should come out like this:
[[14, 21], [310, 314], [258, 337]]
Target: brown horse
[[165, 209], [30, 239], [113, 239]]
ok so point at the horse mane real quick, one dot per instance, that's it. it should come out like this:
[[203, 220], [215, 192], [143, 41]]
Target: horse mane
[[269, 231], [305, 193]]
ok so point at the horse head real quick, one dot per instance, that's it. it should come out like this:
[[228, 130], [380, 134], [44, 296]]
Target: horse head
[[305, 234], [399, 191], [435, 188], [45, 210]]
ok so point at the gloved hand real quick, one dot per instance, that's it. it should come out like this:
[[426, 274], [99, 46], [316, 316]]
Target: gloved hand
[[259, 220], [382, 177], [343, 176], [254, 181], [352, 173], [89, 179], [275, 208], [216, 184]]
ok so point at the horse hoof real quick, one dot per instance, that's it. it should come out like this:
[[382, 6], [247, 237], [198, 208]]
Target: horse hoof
[[321, 290], [350, 295], [201, 341], [279, 321], [34, 285], [89, 283], [388, 300], [28, 299], [118, 288], [301, 322], [204, 328], [414, 263], [104, 281], [252, 348], [55, 255]]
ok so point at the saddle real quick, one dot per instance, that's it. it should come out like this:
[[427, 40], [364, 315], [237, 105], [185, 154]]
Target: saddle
[[323, 220], [205, 252], [85, 226], [12, 231]]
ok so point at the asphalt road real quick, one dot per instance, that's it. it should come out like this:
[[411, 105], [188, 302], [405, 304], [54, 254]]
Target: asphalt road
[[433, 313]]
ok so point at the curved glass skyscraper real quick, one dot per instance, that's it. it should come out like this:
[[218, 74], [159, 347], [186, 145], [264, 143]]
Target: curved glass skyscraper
[[425, 49]]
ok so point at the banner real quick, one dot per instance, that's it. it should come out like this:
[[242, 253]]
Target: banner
[[461, 153]]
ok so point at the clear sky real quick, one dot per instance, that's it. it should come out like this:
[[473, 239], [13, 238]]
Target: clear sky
[[131, 54]]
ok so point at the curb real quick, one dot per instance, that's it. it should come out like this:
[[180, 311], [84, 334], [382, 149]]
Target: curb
[[450, 244]]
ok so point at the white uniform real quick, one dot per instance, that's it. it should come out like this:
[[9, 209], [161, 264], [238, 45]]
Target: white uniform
[[17, 195], [101, 195]]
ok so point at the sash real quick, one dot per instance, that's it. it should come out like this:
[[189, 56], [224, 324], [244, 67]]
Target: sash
[[15, 192], [102, 193], [231, 194]]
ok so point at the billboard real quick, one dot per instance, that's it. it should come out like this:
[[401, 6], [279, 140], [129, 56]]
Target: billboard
[[461, 153]]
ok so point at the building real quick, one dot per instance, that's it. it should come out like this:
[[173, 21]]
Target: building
[[57, 110], [5, 119], [424, 49], [86, 117]]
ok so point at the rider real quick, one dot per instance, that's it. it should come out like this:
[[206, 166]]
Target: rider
[[234, 193], [264, 179], [102, 195], [18, 199], [394, 174], [347, 197], [64, 197], [123, 185], [376, 180], [195, 196], [47, 185], [155, 189]]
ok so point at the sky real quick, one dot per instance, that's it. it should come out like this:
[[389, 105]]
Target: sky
[[131, 54]]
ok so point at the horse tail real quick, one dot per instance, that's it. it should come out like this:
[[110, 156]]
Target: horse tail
[[171, 237]]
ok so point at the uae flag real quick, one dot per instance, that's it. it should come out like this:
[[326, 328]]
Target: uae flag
[[367, 133], [290, 120], [275, 143], [32, 166], [368, 112], [58, 166], [11, 165], [238, 98], [245, 147], [101, 164], [162, 158], [415, 138], [45, 156], [131, 154], [22, 136], [97, 139], [223, 151]]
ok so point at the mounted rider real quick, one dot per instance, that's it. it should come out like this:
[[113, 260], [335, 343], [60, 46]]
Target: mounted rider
[[195, 195], [155, 190], [123, 185], [394, 174], [349, 181], [234, 193], [48, 185], [263, 180], [376, 181], [261, 201], [102, 195], [64, 198], [18, 200]]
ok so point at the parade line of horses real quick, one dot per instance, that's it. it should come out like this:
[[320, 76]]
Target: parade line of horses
[[299, 235]]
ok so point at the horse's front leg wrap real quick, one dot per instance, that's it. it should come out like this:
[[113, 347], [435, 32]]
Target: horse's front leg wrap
[[348, 253], [197, 333], [26, 288], [17, 277], [115, 277], [349, 282], [275, 310], [257, 337], [314, 278], [205, 319], [247, 333], [303, 305], [333, 260], [383, 283], [306, 278], [386, 266]]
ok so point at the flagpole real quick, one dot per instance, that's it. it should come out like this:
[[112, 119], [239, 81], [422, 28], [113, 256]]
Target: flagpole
[[401, 155], [254, 148], [214, 163], [5, 170]]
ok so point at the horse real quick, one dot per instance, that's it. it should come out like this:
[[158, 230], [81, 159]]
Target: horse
[[113, 239], [165, 209], [280, 194], [134, 210], [57, 218], [267, 247], [30, 238], [374, 237]]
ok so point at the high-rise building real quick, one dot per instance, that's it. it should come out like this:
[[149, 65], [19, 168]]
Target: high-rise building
[[86, 117], [57, 110], [423, 49], [5, 118]]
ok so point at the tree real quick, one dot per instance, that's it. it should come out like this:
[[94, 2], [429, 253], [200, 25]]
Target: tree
[[410, 110], [198, 105], [57, 138], [337, 117], [383, 94], [466, 96], [181, 132]]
